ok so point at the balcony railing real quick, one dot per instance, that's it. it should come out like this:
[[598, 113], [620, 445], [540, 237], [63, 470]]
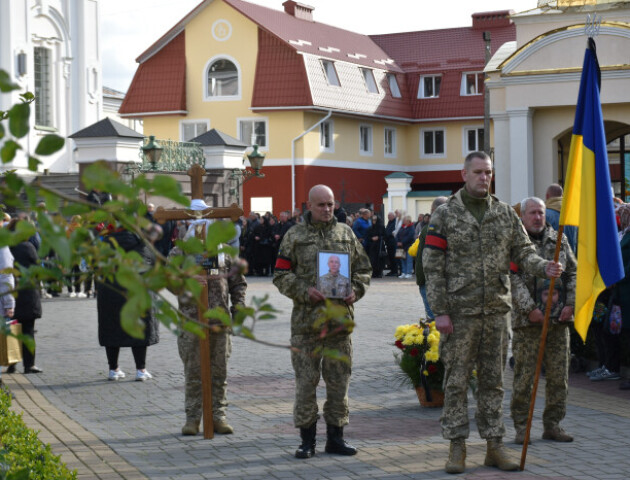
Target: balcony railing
[[176, 156]]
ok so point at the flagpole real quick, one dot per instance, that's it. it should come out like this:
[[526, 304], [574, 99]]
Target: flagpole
[[541, 351]]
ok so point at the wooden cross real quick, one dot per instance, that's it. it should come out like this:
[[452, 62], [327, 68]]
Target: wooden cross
[[233, 212]]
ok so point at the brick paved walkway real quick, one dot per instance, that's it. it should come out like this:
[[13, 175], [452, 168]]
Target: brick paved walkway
[[131, 430]]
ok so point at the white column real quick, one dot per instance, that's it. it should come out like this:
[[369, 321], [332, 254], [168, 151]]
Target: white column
[[398, 185], [521, 154], [501, 155]]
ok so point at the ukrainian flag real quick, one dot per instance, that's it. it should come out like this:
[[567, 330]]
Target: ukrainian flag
[[587, 201]]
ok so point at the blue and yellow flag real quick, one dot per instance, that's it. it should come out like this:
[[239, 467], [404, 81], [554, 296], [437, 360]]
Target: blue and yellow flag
[[587, 201]]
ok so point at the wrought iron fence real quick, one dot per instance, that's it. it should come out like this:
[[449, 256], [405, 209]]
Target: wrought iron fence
[[176, 156]]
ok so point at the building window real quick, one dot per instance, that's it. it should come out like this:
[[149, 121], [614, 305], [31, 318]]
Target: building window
[[43, 87], [253, 132], [472, 83], [432, 143], [473, 140], [390, 141], [223, 79], [365, 139], [331, 73], [393, 85], [429, 86], [370, 82], [326, 136], [190, 130]]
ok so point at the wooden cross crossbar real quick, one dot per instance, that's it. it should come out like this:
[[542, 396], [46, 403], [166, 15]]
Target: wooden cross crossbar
[[162, 215], [196, 173]]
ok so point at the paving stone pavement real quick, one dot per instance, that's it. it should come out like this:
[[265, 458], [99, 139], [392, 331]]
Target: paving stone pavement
[[131, 430]]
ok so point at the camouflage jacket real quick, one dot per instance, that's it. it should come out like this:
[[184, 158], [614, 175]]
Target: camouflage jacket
[[334, 285], [296, 267], [467, 264], [527, 289], [223, 287]]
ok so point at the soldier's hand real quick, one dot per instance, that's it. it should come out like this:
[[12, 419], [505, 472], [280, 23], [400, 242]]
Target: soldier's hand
[[536, 316], [553, 269], [443, 324], [566, 314], [350, 299], [315, 295]]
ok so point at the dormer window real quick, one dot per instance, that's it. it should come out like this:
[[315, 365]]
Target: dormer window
[[370, 82], [429, 86], [223, 79], [472, 83], [331, 73], [393, 85]]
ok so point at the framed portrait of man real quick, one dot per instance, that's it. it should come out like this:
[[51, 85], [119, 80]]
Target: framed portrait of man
[[333, 279]]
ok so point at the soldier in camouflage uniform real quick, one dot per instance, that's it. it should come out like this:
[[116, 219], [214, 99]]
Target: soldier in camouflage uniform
[[466, 258], [225, 285], [296, 276], [529, 299], [334, 284]]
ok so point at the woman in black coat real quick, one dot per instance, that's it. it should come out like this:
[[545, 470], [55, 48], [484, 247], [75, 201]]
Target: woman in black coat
[[375, 246], [110, 301], [263, 247], [28, 304]]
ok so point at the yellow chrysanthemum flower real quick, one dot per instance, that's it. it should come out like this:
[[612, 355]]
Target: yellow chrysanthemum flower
[[425, 373]]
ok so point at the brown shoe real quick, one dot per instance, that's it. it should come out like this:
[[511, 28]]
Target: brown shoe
[[499, 456], [456, 462], [222, 427], [519, 439], [191, 427], [557, 434]]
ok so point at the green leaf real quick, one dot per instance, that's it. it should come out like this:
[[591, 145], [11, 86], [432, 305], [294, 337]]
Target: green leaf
[[74, 209], [49, 144], [51, 200], [170, 188], [7, 153], [219, 232], [27, 97], [220, 314], [6, 85], [1, 131], [33, 163], [195, 328], [19, 116], [131, 318]]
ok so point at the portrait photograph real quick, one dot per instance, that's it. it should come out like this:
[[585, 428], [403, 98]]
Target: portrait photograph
[[557, 301], [333, 279]]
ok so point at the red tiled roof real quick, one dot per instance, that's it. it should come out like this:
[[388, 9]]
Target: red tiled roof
[[336, 42], [159, 84], [434, 52], [280, 75]]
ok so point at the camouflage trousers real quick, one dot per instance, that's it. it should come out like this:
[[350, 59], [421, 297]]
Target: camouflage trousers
[[220, 350], [309, 365], [556, 361], [481, 343]]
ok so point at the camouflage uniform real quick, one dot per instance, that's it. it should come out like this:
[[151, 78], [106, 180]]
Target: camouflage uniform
[[467, 264], [221, 290], [296, 271], [334, 285], [527, 336]]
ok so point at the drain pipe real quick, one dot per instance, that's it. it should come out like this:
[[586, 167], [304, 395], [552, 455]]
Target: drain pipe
[[293, 157]]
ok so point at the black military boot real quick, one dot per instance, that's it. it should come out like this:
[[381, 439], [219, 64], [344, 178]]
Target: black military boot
[[335, 442], [307, 449]]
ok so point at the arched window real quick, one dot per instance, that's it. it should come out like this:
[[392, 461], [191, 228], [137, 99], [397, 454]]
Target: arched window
[[223, 79]]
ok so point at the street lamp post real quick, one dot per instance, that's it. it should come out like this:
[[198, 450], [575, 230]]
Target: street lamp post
[[152, 152], [239, 177]]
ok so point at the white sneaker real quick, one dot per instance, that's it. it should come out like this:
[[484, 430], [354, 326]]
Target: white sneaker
[[81, 295], [46, 295], [72, 294], [143, 376], [402, 275], [116, 374]]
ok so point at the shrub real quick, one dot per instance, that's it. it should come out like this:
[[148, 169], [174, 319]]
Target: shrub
[[22, 455]]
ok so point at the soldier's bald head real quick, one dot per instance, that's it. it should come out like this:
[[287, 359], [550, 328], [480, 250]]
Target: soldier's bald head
[[321, 203]]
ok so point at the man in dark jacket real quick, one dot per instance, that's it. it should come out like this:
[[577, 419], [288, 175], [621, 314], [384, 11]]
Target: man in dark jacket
[[390, 243]]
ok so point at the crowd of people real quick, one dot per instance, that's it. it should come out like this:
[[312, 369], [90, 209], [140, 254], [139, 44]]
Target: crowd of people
[[484, 271]]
